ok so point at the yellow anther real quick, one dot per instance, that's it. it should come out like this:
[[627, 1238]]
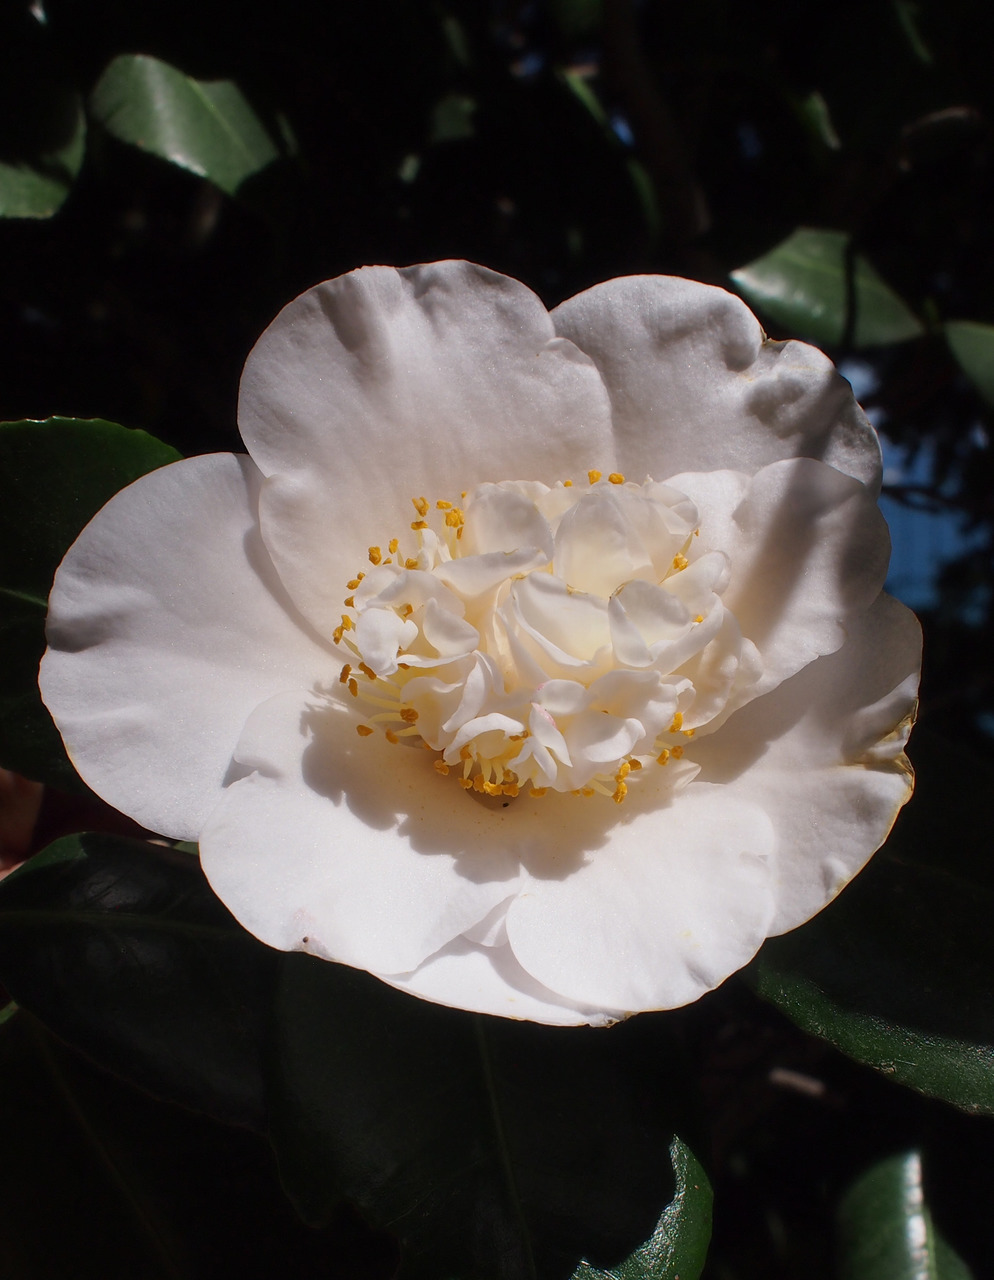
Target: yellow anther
[[404, 666], [634, 764], [419, 524], [623, 772], [420, 506], [567, 484], [478, 783], [407, 611], [337, 634], [677, 724], [441, 766], [680, 562], [587, 791], [699, 618], [538, 792], [354, 687], [465, 753], [493, 788], [392, 546], [346, 622], [367, 671], [363, 730], [354, 582], [510, 789], [677, 753], [616, 477], [466, 783], [391, 737], [620, 792], [593, 476], [663, 756], [459, 532], [346, 672], [697, 533], [410, 563], [688, 733], [408, 715], [443, 505], [349, 602], [375, 555], [454, 518]]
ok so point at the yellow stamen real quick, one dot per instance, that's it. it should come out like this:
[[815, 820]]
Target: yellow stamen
[[363, 730], [410, 563], [441, 766], [443, 505], [420, 506], [337, 634], [367, 671], [466, 783], [567, 484], [680, 562], [699, 618], [346, 622], [678, 753], [354, 687], [375, 555], [593, 476], [688, 733], [538, 792], [346, 672], [454, 519], [619, 793], [419, 524], [392, 546], [349, 602], [663, 756], [616, 477], [677, 724], [392, 737], [634, 764], [408, 715], [354, 582], [407, 611]]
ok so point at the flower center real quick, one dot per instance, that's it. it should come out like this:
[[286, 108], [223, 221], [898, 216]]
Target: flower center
[[539, 637]]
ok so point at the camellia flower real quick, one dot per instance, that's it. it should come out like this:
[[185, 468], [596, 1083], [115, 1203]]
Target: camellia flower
[[536, 663]]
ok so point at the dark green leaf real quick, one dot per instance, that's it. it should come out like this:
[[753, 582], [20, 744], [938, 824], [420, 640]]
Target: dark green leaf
[[973, 346], [886, 1229], [679, 1245], [54, 476], [494, 1149], [121, 949], [896, 972], [801, 285], [36, 187], [206, 126]]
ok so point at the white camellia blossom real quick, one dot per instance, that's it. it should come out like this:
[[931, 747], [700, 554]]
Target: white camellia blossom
[[536, 663]]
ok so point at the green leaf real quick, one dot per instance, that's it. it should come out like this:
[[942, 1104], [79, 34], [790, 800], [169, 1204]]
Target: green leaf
[[896, 972], [206, 126], [121, 949], [801, 285], [886, 1229], [973, 346], [54, 476], [679, 1245], [35, 186], [495, 1150]]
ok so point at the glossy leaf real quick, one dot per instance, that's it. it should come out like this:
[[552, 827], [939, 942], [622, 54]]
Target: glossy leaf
[[206, 126], [973, 346], [679, 1245], [886, 1228], [121, 949], [54, 476], [36, 186], [896, 972], [801, 286], [496, 1150]]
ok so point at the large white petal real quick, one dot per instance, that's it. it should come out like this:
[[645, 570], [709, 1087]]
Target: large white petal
[[385, 385], [671, 901], [823, 755], [693, 379], [167, 625], [348, 847], [807, 549]]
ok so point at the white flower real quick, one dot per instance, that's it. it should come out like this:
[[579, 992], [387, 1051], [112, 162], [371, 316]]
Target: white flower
[[537, 664]]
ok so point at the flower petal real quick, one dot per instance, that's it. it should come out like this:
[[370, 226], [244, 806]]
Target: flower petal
[[674, 900], [692, 378], [384, 385], [823, 755], [167, 625], [348, 847], [807, 548]]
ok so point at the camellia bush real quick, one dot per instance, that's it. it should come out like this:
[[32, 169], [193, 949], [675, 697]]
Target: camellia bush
[[460, 811]]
